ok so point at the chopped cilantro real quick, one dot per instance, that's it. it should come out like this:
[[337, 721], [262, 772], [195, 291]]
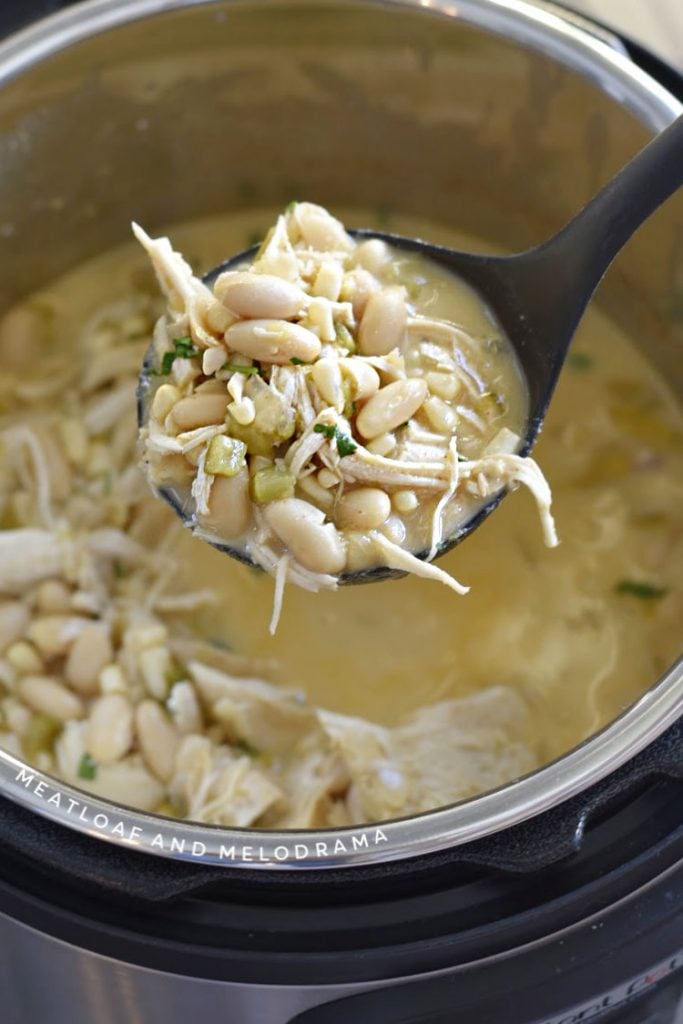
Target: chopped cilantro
[[579, 361], [345, 444], [246, 748], [328, 429], [249, 371], [183, 348], [636, 588], [87, 767], [291, 205]]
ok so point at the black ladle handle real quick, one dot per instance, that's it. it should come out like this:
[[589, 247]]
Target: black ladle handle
[[560, 276], [595, 236]]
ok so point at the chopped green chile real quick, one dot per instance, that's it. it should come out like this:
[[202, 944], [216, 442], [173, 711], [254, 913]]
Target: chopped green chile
[[40, 734], [248, 371], [271, 484], [225, 456]]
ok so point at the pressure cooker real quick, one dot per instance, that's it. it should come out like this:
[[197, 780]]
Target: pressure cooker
[[556, 899]]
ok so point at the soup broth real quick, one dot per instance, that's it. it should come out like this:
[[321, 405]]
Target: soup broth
[[570, 637]]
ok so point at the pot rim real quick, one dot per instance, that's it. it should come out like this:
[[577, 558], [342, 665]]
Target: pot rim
[[599, 57]]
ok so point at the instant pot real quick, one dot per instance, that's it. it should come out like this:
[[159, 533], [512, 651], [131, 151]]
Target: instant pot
[[557, 899]]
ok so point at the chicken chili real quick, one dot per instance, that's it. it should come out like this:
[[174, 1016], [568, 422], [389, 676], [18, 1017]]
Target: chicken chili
[[324, 409], [132, 655]]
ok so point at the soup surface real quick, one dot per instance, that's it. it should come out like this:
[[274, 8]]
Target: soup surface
[[135, 660]]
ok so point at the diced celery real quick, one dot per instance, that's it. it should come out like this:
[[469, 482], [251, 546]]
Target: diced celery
[[272, 484], [226, 456], [345, 338], [40, 735], [256, 441]]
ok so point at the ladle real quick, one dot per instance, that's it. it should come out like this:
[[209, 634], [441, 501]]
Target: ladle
[[538, 296]]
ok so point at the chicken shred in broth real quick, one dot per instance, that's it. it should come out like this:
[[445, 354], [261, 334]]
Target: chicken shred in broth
[[135, 661]]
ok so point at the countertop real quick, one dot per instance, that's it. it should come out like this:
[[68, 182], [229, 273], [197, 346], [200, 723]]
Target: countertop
[[655, 24]]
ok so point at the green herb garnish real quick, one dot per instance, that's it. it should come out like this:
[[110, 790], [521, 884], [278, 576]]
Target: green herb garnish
[[291, 205], [328, 429], [87, 768], [119, 571], [183, 348], [246, 748], [295, 361], [249, 371], [579, 361], [637, 588], [345, 444]]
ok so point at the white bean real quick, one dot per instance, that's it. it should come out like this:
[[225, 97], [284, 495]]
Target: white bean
[[382, 445], [366, 508], [364, 379], [320, 229], [253, 296], [443, 385], [158, 739], [405, 501], [164, 399], [109, 732], [317, 545], [113, 680], [318, 494], [327, 479], [229, 506], [24, 658], [155, 668], [53, 635], [14, 619], [373, 254], [184, 708], [273, 341], [213, 359], [357, 288], [394, 530], [89, 654], [391, 406], [46, 695], [327, 378], [199, 411], [383, 325], [53, 597], [441, 416]]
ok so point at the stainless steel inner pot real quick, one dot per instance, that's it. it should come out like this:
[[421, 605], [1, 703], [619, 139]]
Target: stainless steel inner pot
[[497, 116]]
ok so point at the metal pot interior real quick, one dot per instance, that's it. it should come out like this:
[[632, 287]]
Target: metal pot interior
[[499, 120]]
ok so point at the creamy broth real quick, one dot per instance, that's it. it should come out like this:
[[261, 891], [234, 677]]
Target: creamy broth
[[578, 632]]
